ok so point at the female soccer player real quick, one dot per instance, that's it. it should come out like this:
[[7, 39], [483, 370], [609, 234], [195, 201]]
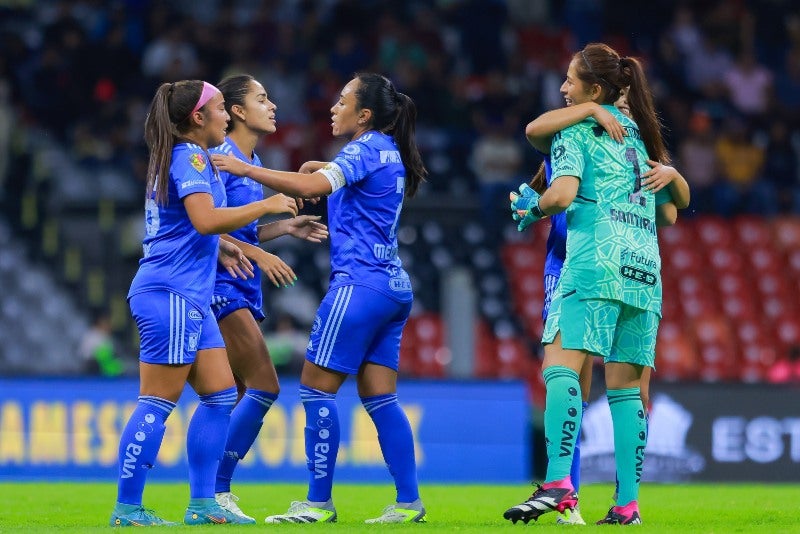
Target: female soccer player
[[540, 133], [170, 300], [608, 301], [359, 322], [237, 303]]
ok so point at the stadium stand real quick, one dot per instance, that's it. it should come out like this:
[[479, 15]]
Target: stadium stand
[[72, 160]]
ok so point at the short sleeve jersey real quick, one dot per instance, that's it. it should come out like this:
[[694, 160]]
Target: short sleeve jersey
[[177, 257], [240, 191], [612, 247], [364, 214]]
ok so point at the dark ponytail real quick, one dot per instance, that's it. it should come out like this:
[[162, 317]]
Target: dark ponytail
[[600, 64], [168, 118], [395, 114]]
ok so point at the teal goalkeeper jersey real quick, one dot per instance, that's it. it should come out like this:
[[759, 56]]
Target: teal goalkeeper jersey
[[612, 248]]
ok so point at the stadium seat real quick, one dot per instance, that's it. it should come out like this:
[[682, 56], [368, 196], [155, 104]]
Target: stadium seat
[[756, 360], [485, 352], [677, 235], [513, 358], [751, 230], [766, 259], [714, 231], [787, 333], [717, 362], [724, 260], [752, 331], [786, 230], [684, 260], [519, 257], [793, 261], [676, 360]]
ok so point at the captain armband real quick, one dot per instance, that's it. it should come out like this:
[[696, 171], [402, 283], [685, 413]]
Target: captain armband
[[334, 175]]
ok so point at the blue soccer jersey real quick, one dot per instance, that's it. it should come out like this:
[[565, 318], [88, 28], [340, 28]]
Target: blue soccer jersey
[[240, 191], [556, 248], [364, 213], [177, 257]]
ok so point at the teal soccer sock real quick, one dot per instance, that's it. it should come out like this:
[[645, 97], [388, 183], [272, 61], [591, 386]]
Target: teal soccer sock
[[562, 419], [630, 438]]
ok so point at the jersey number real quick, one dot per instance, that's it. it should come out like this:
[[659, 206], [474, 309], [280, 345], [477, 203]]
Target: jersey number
[[636, 197]]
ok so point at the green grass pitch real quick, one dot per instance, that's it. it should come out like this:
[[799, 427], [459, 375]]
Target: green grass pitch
[[680, 508]]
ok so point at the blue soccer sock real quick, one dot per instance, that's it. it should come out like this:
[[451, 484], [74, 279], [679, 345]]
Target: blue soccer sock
[[138, 446], [322, 441], [562, 419], [575, 469], [397, 443], [205, 440], [246, 420]]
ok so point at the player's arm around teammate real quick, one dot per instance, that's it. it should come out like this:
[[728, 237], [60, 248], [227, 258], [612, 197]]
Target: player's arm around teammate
[[360, 320], [170, 298]]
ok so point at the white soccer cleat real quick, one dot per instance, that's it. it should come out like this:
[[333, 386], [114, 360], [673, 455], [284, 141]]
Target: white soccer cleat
[[571, 517], [412, 512], [227, 501], [304, 512]]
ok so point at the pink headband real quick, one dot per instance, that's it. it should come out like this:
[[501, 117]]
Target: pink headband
[[208, 92]]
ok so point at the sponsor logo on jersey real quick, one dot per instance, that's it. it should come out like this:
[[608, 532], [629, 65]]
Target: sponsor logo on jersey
[[192, 183], [195, 315], [198, 161], [384, 252], [638, 275], [630, 131], [390, 156], [632, 219], [558, 152], [631, 256]]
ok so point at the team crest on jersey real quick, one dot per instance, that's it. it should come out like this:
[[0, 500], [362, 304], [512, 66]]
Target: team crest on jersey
[[198, 161]]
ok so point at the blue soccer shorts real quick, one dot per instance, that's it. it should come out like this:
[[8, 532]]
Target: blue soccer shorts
[[171, 329], [357, 324]]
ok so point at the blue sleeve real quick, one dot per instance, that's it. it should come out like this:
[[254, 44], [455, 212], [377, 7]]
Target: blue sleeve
[[356, 160], [189, 171]]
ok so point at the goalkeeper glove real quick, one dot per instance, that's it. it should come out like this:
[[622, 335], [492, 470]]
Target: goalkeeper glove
[[525, 207]]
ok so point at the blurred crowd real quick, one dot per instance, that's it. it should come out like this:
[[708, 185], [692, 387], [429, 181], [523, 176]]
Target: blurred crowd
[[726, 77]]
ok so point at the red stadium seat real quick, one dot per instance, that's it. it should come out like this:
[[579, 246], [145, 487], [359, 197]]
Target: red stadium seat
[[684, 260], [485, 352], [787, 334], [725, 260], [752, 332], [714, 231], [752, 230], [787, 232], [677, 235], [766, 259], [676, 359], [756, 361], [717, 362], [772, 284], [514, 360], [522, 257], [423, 347], [712, 329], [793, 261], [527, 284]]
